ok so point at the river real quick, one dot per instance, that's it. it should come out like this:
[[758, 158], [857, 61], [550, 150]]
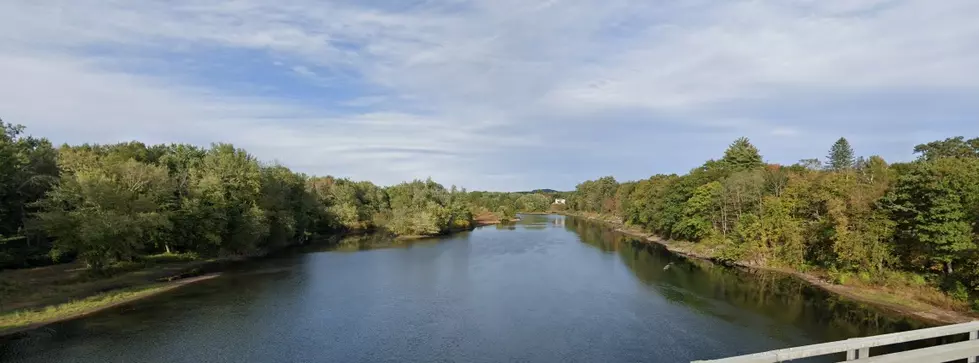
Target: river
[[548, 289]]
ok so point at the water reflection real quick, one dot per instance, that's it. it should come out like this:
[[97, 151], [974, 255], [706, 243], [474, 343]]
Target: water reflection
[[727, 292], [545, 289]]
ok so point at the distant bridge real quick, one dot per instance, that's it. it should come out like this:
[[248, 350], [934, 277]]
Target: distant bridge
[[858, 349]]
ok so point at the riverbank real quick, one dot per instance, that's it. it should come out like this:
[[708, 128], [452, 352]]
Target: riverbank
[[32, 298], [903, 301], [35, 297], [25, 320]]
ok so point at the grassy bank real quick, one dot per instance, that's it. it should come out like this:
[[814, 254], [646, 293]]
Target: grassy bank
[[34, 297], [25, 319], [900, 296], [56, 284]]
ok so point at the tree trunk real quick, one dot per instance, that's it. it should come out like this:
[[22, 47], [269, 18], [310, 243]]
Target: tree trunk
[[166, 246], [948, 268], [723, 219]]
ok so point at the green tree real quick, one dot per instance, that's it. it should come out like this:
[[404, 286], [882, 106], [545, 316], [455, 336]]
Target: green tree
[[954, 147], [226, 189], [742, 155], [740, 194], [696, 223], [105, 210], [933, 223], [27, 170], [875, 170], [840, 156], [533, 203]]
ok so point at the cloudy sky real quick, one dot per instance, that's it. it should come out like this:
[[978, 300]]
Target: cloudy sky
[[494, 94]]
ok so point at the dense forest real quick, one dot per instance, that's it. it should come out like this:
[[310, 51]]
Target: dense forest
[[105, 204], [854, 217]]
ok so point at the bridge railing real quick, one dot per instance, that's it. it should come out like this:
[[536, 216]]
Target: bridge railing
[[859, 348]]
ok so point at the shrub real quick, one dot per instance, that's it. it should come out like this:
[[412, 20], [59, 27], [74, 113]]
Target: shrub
[[958, 292], [918, 280], [865, 277], [838, 277]]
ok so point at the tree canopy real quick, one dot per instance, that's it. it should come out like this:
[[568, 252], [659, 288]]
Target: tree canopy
[[840, 156], [858, 215], [109, 203], [742, 155]]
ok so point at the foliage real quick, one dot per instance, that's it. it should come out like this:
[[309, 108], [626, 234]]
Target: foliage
[[111, 205], [859, 218], [103, 210], [955, 147], [533, 202], [840, 156], [742, 155], [27, 171]]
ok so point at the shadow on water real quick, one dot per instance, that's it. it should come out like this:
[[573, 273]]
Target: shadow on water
[[727, 292]]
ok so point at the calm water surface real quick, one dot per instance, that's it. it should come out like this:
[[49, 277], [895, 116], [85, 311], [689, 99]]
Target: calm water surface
[[549, 289]]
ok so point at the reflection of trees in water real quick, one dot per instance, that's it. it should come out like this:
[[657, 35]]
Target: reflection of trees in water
[[594, 234], [371, 241], [727, 292]]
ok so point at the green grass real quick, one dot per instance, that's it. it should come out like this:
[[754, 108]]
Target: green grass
[[23, 318]]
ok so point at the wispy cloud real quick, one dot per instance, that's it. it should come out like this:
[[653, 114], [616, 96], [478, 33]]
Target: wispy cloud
[[545, 93]]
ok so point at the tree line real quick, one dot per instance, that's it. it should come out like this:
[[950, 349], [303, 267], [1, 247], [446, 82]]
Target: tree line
[[849, 215], [104, 204]]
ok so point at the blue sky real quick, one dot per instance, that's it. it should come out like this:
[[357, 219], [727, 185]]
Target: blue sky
[[495, 94]]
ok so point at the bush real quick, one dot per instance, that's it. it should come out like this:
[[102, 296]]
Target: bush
[[838, 277], [865, 277], [958, 291], [730, 252], [899, 279], [918, 280], [460, 224]]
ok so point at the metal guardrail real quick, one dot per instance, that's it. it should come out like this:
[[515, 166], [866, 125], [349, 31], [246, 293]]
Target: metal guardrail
[[859, 348]]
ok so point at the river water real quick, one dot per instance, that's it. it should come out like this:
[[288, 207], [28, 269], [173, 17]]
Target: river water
[[548, 289]]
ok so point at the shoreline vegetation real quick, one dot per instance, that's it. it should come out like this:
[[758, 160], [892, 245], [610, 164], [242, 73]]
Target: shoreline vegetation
[[904, 236], [68, 291], [65, 291], [71, 300], [84, 222], [74, 295], [480, 220], [901, 302], [25, 320]]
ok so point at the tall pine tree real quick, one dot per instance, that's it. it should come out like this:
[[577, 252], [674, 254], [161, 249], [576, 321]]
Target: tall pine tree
[[840, 156], [742, 155]]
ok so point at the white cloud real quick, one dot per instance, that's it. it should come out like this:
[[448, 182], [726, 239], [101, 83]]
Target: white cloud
[[461, 91], [78, 103], [302, 70]]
